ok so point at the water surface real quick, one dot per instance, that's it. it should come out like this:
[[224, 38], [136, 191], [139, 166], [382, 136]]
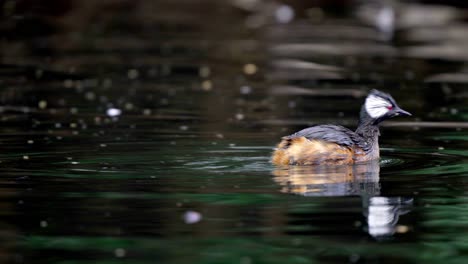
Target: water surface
[[130, 137]]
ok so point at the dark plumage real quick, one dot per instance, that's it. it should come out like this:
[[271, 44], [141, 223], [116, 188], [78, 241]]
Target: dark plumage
[[333, 144]]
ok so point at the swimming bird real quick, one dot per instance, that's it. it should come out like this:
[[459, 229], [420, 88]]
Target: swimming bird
[[337, 145]]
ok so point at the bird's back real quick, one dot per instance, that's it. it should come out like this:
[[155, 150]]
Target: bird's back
[[322, 144]]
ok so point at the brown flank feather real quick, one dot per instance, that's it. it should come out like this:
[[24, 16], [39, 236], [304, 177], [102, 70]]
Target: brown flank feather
[[302, 151]]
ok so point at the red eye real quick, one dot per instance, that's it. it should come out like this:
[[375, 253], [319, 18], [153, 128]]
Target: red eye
[[390, 107]]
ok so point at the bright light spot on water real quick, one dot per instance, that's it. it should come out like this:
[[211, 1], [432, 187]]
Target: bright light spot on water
[[250, 69], [386, 21], [184, 128], [102, 145], [133, 74], [120, 252], [128, 106], [147, 112], [30, 141], [73, 125], [42, 104], [204, 71], [113, 112], [73, 110], [245, 89], [440, 148], [284, 14], [43, 224], [207, 85], [26, 157], [239, 116], [90, 96], [402, 229], [192, 217]]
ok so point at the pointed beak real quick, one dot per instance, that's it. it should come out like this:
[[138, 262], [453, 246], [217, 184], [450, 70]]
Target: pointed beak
[[402, 112]]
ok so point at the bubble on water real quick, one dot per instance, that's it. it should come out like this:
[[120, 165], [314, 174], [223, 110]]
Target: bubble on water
[[73, 125], [102, 145], [184, 128], [284, 14], [30, 141], [58, 125], [25, 157], [120, 252], [239, 116], [73, 110], [192, 217], [453, 111], [113, 112]]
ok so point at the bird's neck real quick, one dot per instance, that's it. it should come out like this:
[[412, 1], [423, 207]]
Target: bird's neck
[[368, 131]]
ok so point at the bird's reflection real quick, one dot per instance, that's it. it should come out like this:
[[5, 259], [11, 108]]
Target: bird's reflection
[[382, 213]]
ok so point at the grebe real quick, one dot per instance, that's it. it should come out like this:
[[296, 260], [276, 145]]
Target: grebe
[[337, 145]]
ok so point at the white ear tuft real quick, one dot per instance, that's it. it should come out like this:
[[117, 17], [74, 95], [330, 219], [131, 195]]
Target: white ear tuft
[[376, 106]]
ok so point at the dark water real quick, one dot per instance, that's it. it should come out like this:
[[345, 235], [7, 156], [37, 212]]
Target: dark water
[[138, 132]]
